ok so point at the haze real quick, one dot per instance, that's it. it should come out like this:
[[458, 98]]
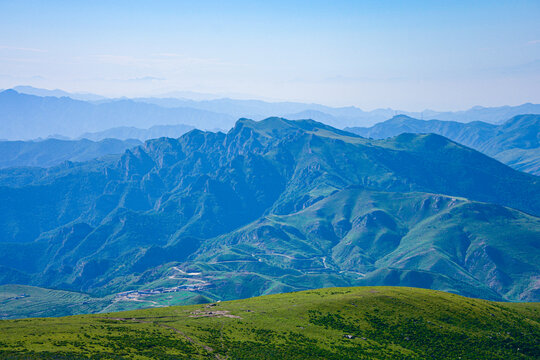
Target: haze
[[409, 55]]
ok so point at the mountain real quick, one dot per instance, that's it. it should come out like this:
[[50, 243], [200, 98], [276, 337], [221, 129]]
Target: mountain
[[516, 142], [335, 323], [340, 116], [274, 206], [383, 238], [258, 109], [33, 113], [52, 152], [28, 116], [494, 115], [30, 90], [129, 132]]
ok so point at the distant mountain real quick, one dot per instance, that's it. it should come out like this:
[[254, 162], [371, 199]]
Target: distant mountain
[[516, 142], [52, 152], [28, 116], [275, 206], [56, 112], [342, 116], [128, 132], [57, 93], [258, 110], [494, 115]]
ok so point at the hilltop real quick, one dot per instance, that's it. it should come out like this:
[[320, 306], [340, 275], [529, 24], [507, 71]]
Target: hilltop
[[335, 323]]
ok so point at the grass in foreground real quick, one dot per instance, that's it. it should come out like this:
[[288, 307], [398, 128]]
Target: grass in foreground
[[335, 323]]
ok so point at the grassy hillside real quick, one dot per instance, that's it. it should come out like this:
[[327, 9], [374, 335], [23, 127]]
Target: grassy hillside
[[335, 323], [515, 142], [20, 301], [359, 237]]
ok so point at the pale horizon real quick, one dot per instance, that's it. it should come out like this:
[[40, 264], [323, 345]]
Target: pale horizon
[[413, 56]]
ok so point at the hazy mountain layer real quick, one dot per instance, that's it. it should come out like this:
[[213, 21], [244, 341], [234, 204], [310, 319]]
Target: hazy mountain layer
[[274, 206], [52, 152], [29, 116], [30, 90], [340, 116], [516, 142], [129, 132], [56, 113]]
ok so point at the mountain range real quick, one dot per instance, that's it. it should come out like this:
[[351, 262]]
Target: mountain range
[[29, 113], [130, 132], [516, 142], [28, 116], [30, 90], [50, 152], [275, 206], [340, 116]]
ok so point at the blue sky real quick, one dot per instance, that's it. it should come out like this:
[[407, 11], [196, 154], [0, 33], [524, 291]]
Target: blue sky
[[411, 55]]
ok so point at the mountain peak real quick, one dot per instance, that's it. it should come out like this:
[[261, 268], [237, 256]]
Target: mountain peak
[[9, 92], [271, 123], [277, 126], [399, 119]]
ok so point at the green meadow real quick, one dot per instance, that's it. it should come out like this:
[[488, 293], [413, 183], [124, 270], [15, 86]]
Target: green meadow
[[332, 323]]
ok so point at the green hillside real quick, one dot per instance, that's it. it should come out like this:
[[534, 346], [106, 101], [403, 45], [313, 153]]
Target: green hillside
[[516, 142], [360, 237], [272, 206], [334, 323], [20, 301]]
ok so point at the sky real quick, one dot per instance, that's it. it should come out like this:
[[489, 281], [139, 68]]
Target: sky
[[409, 55]]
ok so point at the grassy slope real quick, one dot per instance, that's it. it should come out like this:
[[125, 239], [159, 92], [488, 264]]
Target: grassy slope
[[527, 160], [355, 231], [385, 323], [19, 301], [515, 143], [413, 239]]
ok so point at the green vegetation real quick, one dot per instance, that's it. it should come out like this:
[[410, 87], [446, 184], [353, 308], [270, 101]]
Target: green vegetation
[[272, 206], [361, 237], [516, 142], [333, 323], [19, 301]]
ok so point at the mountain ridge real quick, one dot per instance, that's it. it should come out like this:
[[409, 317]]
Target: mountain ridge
[[42, 114], [130, 132], [515, 142], [30, 116], [51, 152], [163, 208]]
